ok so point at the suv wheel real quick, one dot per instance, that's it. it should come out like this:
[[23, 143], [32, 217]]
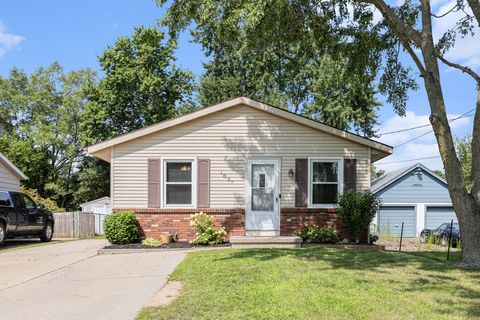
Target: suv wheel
[[444, 241], [47, 233], [3, 233]]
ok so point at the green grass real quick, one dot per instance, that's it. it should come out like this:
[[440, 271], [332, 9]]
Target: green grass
[[321, 283]]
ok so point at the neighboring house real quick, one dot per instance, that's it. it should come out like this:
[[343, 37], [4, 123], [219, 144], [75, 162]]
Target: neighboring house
[[10, 175], [416, 196], [258, 169], [101, 208]]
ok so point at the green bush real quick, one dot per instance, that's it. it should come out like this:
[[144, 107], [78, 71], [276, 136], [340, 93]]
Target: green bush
[[207, 233], [152, 242], [357, 210], [316, 234], [121, 227]]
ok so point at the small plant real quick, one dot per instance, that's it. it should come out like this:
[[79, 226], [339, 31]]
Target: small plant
[[357, 210], [121, 227], [315, 234], [152, 242], [430, 239], [207, 233]]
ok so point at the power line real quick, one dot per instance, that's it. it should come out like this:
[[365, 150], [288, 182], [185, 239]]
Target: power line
[[409, 160], [425, 125], [425, 133]]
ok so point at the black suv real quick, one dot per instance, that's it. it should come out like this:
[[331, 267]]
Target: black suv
[[20, 216]]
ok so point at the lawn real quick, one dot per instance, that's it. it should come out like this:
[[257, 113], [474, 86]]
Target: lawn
[[321, 283]]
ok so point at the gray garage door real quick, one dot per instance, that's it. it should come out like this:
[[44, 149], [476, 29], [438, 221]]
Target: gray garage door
[[435, 216], [391, 218]]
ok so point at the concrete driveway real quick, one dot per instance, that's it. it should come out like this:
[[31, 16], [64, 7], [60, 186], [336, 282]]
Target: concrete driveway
[[69, 281]]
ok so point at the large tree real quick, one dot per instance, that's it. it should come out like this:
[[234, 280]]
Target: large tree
[[39, 129], [351, 28], [416, 36], [295, 71], [141, 86]]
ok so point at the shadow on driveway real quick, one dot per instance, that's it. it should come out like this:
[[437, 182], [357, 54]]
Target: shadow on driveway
[[13, 244]]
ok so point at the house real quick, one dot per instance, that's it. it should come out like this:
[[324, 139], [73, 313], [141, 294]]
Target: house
[[260, 170], [100, 208], [416, 196], [10, 175]]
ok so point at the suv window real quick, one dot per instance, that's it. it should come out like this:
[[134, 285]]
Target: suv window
[[17, 201], [5, 199], [29, 203]]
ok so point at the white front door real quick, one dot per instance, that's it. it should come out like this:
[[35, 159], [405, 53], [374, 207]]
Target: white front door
[[262, 198]]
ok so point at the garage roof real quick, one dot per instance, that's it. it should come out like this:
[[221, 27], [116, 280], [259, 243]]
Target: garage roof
[[387, 179]]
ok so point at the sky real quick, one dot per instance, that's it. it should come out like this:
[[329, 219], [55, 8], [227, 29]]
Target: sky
[[37, 33]]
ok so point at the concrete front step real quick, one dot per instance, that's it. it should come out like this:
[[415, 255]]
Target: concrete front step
[[265, 242]]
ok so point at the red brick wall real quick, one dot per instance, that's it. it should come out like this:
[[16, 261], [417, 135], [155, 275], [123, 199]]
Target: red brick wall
[[154, 221], [293, 219]]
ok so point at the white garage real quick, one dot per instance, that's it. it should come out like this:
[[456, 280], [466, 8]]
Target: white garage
[[100, 208]]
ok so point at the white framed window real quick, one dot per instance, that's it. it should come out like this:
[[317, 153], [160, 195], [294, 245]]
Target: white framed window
[[179, 183], [325, 181]]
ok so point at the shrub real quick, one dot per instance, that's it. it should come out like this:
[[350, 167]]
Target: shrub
[[121, 227], [357, 210], [316, 234], [207, 233], [152, 242]]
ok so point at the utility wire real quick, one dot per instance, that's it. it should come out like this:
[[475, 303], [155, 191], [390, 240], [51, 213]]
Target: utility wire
[[409, 160], [425, 133], [425, 125]]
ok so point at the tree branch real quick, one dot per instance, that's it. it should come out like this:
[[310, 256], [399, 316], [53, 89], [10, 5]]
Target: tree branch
[[465, 69], [402, 30], [446, 13]]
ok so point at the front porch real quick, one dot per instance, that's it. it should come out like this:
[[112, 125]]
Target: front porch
[[265, 242]]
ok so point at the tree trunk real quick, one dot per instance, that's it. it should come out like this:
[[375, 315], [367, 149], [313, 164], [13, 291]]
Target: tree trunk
[[466, 208]]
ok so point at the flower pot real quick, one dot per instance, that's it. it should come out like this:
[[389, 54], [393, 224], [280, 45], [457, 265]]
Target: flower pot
[[166, 237]]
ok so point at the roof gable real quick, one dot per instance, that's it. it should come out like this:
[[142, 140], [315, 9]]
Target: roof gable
[[101, 150], [17, 172], [384, 181]]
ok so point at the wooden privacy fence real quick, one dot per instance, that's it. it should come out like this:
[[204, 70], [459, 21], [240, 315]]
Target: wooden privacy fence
[[74, 224]]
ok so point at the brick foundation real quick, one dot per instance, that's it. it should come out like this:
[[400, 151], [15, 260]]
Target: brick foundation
[[293, 219], [154, 221]]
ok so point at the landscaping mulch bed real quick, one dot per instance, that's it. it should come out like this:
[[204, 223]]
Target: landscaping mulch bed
[[171, 245]]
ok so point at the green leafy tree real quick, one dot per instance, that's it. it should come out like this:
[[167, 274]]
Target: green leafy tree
[[252, 55], [141, 86], [40, 129], [92, 181]]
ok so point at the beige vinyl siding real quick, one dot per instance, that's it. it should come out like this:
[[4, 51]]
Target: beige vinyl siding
[[8, 180], [228, 138]]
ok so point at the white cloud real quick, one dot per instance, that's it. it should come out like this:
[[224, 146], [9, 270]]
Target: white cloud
[[423, 147], [8, 41], [466, 50]]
